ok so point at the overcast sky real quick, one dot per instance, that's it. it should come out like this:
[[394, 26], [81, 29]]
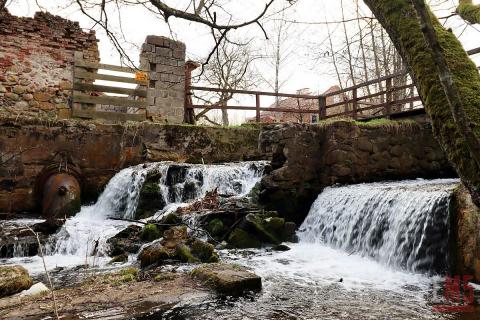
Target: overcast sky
[[303, 71]]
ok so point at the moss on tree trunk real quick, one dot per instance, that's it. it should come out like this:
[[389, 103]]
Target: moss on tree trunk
[[400, 20], [468, 11]]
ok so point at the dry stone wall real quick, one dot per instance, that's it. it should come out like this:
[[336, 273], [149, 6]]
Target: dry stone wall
[[36, 62]]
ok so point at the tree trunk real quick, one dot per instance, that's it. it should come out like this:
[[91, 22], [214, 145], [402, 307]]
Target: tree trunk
[[400, 20], [468, 11]]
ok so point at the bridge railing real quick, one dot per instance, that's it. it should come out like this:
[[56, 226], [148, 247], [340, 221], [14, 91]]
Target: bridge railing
[[398, 94], [382, 97]]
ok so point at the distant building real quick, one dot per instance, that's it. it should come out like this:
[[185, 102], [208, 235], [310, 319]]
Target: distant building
[[301, 104]]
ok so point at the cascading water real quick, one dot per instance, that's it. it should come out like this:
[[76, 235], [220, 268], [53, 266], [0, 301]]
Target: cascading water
[[87, 232], [404, 224]]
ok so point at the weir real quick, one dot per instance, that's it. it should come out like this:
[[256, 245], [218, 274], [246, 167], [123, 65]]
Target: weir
[[403, 224], [86, 233]]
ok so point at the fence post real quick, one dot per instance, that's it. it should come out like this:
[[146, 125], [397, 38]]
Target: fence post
[[257, 106], [322, 107], [388, 96], [355, 103], [189, 113]]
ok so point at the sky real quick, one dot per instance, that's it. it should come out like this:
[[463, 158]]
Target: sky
[[306, 38]]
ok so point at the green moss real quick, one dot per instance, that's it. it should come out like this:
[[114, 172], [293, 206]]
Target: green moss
[[399, 18], [239, 238], [215, 227], [152, 255], [13, 279], [185, 255], [150, 232], [262, 229], [164, 277], [468, 11], [204, 251], [275, 224]]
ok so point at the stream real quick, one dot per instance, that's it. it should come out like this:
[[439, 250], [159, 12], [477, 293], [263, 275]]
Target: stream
[[365, 251]]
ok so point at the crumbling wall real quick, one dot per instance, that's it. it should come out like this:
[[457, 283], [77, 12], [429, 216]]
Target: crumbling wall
[[36, 62]]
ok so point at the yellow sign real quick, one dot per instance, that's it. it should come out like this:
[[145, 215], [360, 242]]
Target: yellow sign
[[141, 76]]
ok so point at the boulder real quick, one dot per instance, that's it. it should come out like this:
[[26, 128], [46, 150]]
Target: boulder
[[228, 279], [176, 245], [240, 239], [13, 279], [128, 240], [150, 200], [150, 232]]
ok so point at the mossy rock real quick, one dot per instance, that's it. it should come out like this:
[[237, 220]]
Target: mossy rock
[[263, 229], [150, 232], [216, 228], [150, 200], [204, 251], [153, 254], [121, 258], [126, 241], [275, 224], [13, 279], [184, 254], [227, 279], [241, 239], [169, 220]]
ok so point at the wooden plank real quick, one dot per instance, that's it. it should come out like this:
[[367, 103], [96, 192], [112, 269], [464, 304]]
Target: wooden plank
[[107, 100], [257, 107], [355, 104], [109, 89], [322, 107], [82, 74], [262, 93], [104, 66], [196, 106]]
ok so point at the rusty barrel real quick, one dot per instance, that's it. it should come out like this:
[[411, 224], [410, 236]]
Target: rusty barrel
[[60, 197]]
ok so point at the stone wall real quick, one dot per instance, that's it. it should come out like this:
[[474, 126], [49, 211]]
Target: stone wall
[[307, 158], [97, 151], [165, 59], [466, 239], [36, 62]]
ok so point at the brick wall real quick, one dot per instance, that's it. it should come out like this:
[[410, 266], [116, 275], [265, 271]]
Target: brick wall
[[36, 59]]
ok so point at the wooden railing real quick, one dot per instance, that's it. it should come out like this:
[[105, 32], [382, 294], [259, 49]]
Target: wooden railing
[[257, 108], [92, 100], [382, 97]]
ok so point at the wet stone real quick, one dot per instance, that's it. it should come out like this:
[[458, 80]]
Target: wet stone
[[228, 279]]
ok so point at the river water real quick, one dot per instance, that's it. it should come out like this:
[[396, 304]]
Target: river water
[[368, 251]]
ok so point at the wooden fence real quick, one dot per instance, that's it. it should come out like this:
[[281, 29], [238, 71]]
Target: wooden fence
[[93, 101], [394, 94]]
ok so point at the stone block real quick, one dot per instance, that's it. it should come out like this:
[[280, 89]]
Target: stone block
[[157, 40], [164, 52], [179, 54], [148, 47]]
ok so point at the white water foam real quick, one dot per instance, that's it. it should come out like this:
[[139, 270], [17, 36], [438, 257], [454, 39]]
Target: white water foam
[[85, 234], [404, 224]]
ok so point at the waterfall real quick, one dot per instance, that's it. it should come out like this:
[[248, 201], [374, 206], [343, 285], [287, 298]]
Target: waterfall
[[403, 224], [88, 231]]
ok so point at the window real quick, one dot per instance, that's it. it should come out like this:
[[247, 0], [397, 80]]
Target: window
[[336, 99], [314, 118]]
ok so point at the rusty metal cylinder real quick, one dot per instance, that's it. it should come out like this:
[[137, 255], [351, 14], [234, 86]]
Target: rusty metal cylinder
[[60, 197]]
